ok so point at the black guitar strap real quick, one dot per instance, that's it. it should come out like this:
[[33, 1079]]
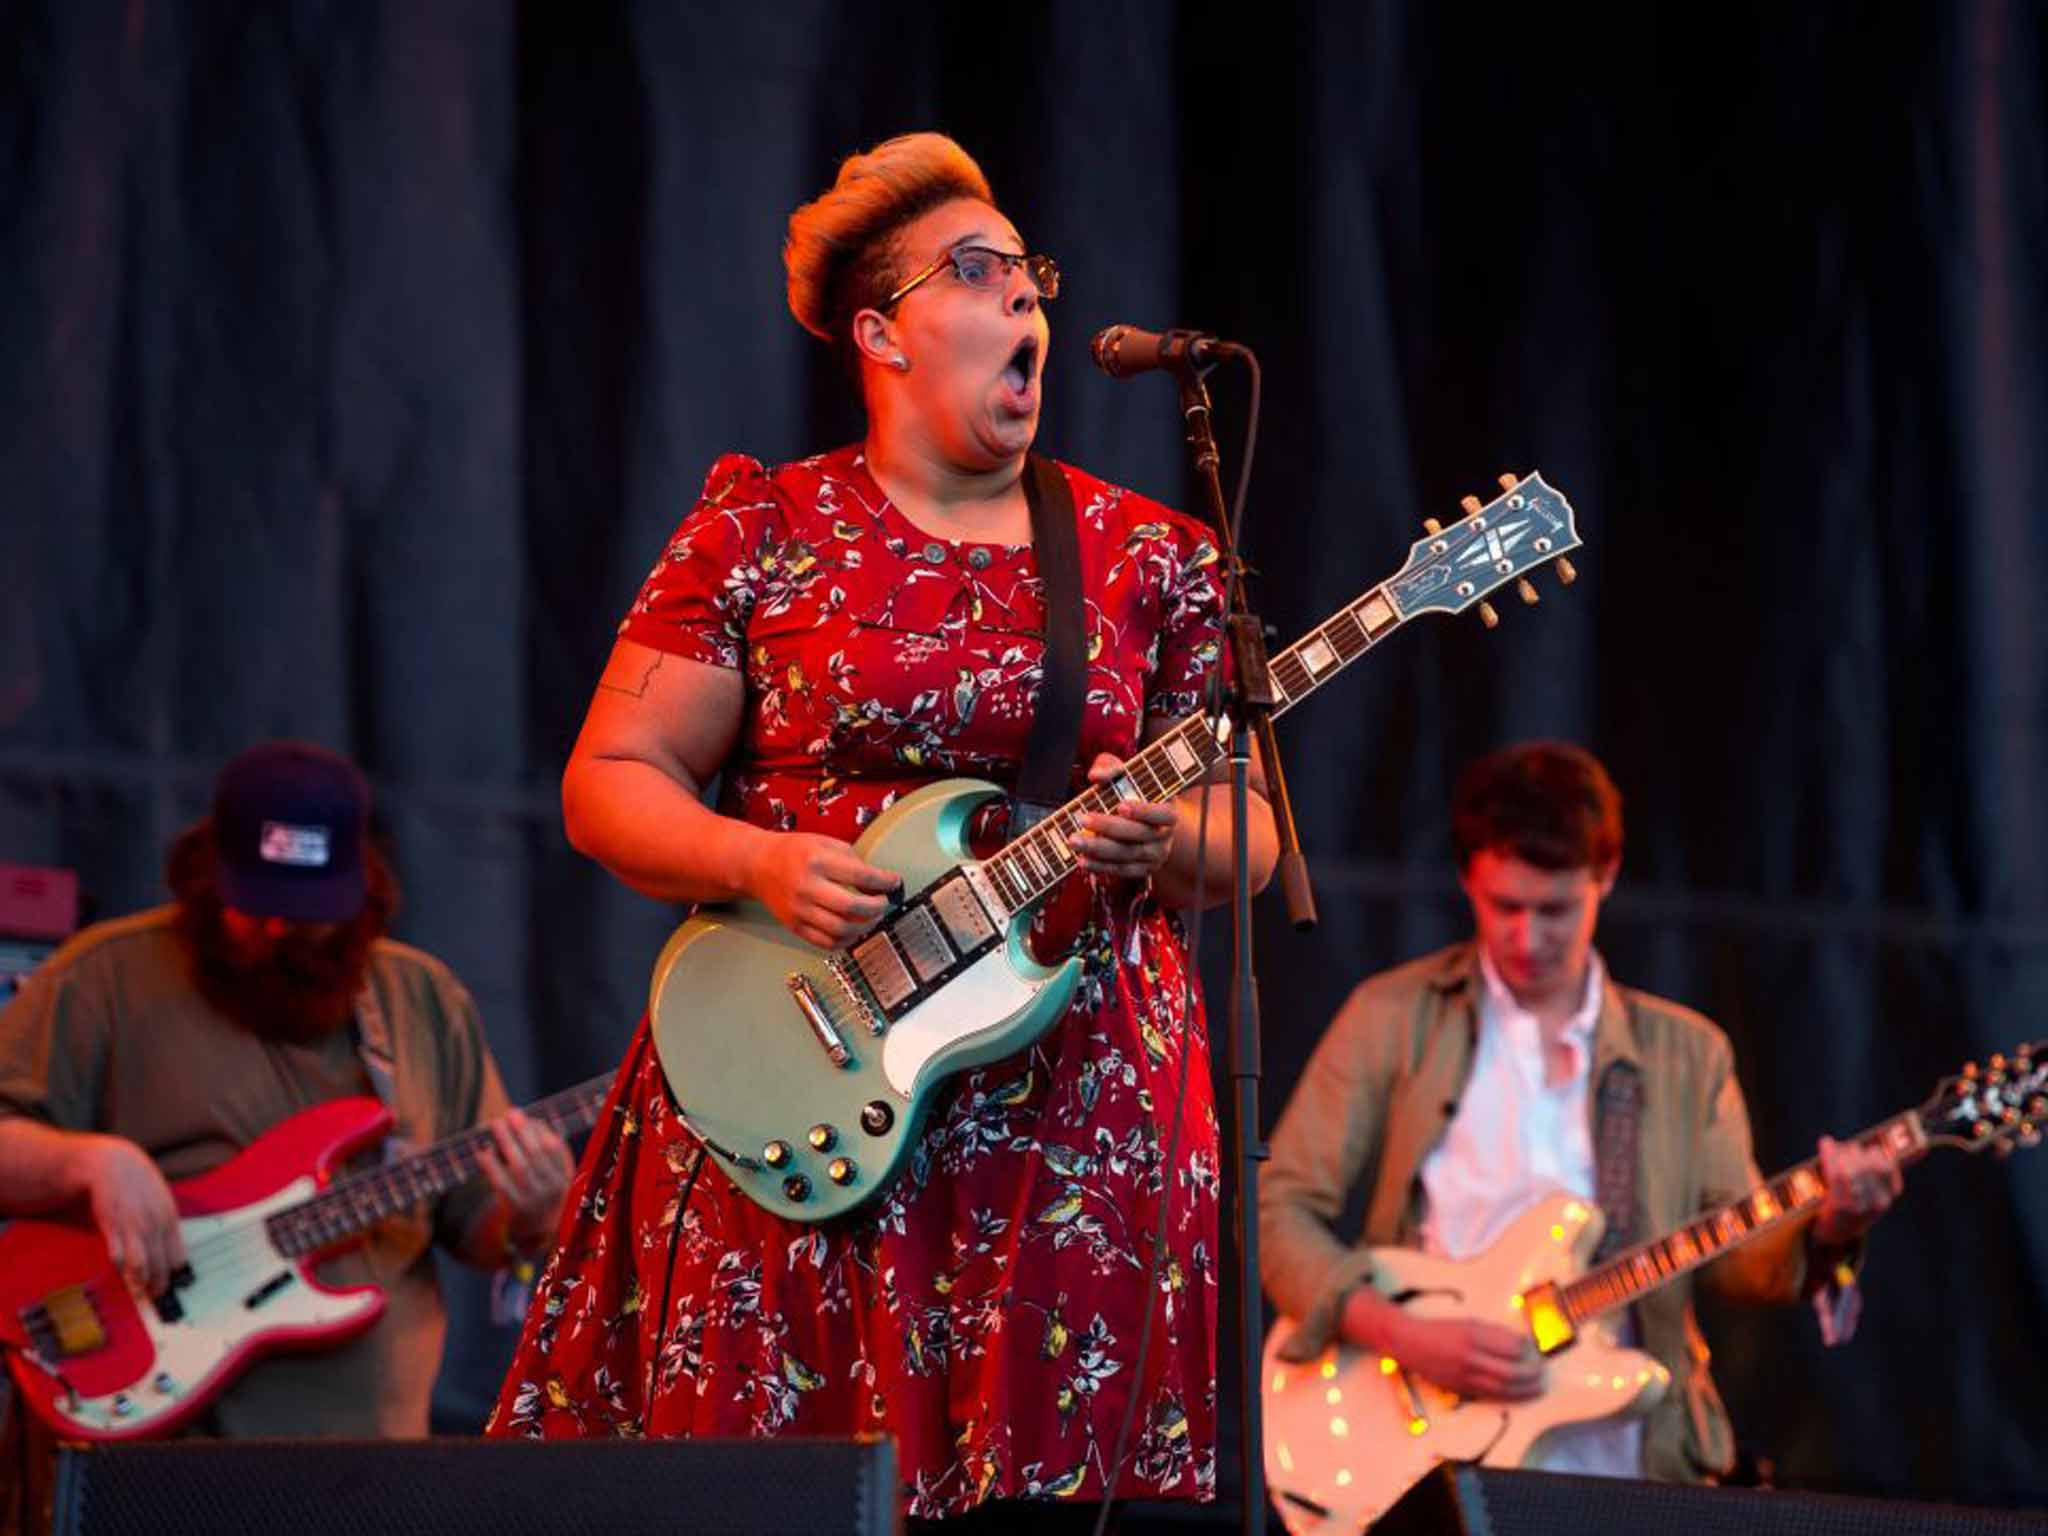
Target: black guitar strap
[[1617, 1119], [1055, 741]]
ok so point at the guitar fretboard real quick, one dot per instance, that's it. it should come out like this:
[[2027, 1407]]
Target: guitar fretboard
[[1042, 857], [1634, 1274], [360, 1201]]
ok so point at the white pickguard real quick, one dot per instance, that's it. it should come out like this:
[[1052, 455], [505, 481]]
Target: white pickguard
[[231, 1257], [980, 998]]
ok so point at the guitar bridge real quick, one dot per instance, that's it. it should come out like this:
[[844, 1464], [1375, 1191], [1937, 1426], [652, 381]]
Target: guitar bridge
[[812, 1007]]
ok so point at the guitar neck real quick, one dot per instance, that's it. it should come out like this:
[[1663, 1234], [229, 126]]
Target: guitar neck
[[1631, 1275], [1034, 863], [355, 1204]]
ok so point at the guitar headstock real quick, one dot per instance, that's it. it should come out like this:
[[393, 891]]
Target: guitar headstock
[[1999, 1105], [1452, 568]]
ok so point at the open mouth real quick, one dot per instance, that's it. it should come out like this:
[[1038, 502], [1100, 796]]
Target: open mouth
[[1021, 371]]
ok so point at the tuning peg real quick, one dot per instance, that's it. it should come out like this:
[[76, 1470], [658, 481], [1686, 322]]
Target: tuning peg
[[1527, 591], [1472, 505], [1567, 573], [1432, 527], [1509, 482], [1488, 617]]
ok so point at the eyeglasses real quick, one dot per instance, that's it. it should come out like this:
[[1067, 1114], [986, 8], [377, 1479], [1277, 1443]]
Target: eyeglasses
[[979, 267]]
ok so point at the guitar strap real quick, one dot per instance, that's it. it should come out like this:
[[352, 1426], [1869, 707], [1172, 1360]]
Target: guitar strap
[[1047, 772], [1618, 1117], [373, 1045]]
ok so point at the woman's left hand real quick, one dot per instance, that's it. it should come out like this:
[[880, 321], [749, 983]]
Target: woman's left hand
[[1130, 843]]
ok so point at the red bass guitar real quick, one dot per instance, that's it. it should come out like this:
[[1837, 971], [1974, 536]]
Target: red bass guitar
[[99, 1361]]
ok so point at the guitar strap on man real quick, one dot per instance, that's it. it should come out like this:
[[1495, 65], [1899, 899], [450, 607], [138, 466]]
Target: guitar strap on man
[[1618, 1117], [373, 1046], [1055, 740]]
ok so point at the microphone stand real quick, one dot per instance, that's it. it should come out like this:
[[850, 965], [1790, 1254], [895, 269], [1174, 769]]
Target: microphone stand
[[1249, 688]]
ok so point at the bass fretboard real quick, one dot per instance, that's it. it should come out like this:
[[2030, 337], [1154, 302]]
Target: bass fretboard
[[357, 1203]]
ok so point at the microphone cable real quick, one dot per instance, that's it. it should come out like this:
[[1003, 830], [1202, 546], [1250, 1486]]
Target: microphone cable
[[1212, 707]]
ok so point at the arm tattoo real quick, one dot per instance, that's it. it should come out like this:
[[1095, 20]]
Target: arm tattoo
[[632, 690]]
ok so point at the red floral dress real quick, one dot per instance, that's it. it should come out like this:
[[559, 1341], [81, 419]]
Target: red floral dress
[[987, 1310]]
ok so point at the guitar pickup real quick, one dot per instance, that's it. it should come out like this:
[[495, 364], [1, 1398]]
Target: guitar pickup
[[1550, 1325], [267, 1289], [168, 1306]]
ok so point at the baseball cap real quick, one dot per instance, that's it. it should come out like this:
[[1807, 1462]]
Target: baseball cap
[[290, 821]]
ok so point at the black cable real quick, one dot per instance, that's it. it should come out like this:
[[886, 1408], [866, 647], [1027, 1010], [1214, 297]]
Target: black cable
[[668, 1280], [1212, 707]]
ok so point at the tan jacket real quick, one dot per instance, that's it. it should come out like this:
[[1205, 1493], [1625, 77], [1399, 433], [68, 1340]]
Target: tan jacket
[[1375, 1100]]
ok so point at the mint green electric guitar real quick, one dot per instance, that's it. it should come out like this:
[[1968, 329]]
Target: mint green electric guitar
[[809, 1072]]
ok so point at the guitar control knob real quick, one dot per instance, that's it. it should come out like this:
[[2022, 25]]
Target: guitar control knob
[[824, 1138], [876, 1117], [796, 1188], [841, 1170], [776, 1154]]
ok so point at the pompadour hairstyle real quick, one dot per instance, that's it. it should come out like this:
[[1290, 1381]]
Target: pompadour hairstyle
[[841, 253]]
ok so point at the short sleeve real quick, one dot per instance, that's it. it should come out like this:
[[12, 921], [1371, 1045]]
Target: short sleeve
[[53, 1050], [697, 600], [1190, 626]]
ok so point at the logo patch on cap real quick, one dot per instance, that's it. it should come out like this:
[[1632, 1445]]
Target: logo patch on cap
[[300, 847]]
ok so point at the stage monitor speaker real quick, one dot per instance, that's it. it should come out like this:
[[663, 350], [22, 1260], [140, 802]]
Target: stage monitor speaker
[[1484, 1501], [479, 1487]]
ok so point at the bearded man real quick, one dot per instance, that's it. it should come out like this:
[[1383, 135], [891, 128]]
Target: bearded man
[[155, 1047]]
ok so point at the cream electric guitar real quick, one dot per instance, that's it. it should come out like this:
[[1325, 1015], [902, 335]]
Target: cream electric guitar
[[809, 1072], [1346, 1434]]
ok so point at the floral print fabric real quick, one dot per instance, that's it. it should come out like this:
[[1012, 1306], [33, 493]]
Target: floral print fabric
[[986, 1310]]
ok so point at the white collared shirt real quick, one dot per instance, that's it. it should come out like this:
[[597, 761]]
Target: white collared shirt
[[1514, 1139]]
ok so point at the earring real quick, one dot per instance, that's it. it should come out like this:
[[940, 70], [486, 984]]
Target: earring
[[900, 363]]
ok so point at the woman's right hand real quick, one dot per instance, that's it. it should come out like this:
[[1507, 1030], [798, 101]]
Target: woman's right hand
[[819, 888], [134, 1210], [1460, 1354]]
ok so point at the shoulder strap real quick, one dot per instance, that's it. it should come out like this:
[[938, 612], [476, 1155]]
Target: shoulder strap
[[373, 1045], [1042, 783], [1618, 1106]]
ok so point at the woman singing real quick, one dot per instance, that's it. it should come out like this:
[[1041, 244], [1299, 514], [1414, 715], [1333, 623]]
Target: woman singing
[[823, 638]]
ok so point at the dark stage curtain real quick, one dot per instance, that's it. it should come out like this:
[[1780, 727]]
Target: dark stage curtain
[[357, 357]]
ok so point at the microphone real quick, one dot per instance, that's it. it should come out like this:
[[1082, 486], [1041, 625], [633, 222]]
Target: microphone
[[1122, 350]]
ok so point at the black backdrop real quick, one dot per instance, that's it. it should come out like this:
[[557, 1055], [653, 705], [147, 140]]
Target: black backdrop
[[357, 356]]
